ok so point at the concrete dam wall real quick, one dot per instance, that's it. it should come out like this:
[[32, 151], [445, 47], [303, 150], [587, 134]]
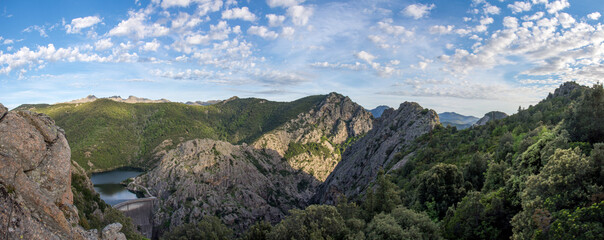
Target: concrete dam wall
[[141, 211]]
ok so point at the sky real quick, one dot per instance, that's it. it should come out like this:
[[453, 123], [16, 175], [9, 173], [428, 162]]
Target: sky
[[466, 56]]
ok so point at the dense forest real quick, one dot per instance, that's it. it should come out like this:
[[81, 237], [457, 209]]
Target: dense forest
[[537, 174]]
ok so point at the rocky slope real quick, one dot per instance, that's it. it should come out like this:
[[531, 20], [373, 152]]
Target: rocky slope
[[491, 116], [238, 183], [36, 200], [361, 162], [313, 141]]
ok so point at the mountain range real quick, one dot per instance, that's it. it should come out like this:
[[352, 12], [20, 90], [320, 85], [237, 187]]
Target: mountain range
[[325, 167]]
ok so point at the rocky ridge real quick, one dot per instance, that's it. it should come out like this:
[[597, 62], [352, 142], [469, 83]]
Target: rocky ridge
[[361, 162], [36, 201], [331, 124], [238, 183]]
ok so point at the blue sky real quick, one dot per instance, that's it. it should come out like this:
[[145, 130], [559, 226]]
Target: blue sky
[[467, 56]]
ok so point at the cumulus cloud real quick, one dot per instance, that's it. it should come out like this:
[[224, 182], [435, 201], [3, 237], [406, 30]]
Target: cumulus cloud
[[239, 13], [490, 9], [175, 3], [263, 32], [151, 46], [441, 29], [188, 74], [25, 57], [365, 56], [283, 3], [594, 15], [275, 20], [300, 14], [356, 66], [78, 24], [556, 6], [518, 7], [418, 10], [103, 44], [288, 32], [136, 27]]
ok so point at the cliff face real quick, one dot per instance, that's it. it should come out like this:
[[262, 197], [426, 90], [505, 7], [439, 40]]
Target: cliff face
[[361, 162], [237, 183], [313, 141], [36, 201]]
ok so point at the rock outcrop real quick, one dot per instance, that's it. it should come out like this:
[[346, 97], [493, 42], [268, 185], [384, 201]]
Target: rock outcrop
[[320, 135], [36, 201], [238, 183], [393, 131], [491, 116]]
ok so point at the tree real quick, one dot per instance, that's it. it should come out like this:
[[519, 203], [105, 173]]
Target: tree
[[314, 222], [210, 228], [258, 231], [474, 170], [384, 198], [584, 122], [440, 187]]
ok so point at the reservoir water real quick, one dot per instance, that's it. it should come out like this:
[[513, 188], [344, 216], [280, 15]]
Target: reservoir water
[[107, 184]]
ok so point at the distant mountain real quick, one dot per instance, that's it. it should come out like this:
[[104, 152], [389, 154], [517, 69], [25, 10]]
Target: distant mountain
[[457, 120], [377, 112], [130, 99], [491, 116]]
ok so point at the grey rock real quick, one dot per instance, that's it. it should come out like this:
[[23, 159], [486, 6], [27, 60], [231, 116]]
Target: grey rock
[[112, 232], [391, 133]]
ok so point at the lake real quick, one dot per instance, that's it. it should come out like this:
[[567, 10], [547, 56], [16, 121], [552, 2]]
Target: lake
[[107, 184]]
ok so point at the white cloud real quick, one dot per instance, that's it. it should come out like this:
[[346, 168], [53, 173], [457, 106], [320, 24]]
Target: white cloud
[[78, 24], [283, 3], [354, 66], [217, 32], [510, 22], [288, 32], [188, 74], [556, 6], [441, 29], [519, 7], [135, 27], [103, 44], [175, 3], [536, 16], [263, 32], [365, 56], [490, 9], [25, 57], [275, 20], [151, 46], [594, 15], [566, 20], [300, 14], [208, 6], [239, 13], [275, 77], [39, 29], [417, 11]]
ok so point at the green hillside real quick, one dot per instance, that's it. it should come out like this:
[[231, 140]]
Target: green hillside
[[109, 134]]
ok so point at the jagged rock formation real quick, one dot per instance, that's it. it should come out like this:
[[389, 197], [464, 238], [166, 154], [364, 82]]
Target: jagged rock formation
[[130, 99], [237, 183], [313, 141], [491, 116], [565, 89], [361, 162], [36, 201]]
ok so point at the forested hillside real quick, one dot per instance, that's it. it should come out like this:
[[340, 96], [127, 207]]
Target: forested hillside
[[105, 134]]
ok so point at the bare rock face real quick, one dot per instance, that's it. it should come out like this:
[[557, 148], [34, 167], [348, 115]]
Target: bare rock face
[[36, 201], [112, 232], [330, 124], [237, 183], [393, 131]]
